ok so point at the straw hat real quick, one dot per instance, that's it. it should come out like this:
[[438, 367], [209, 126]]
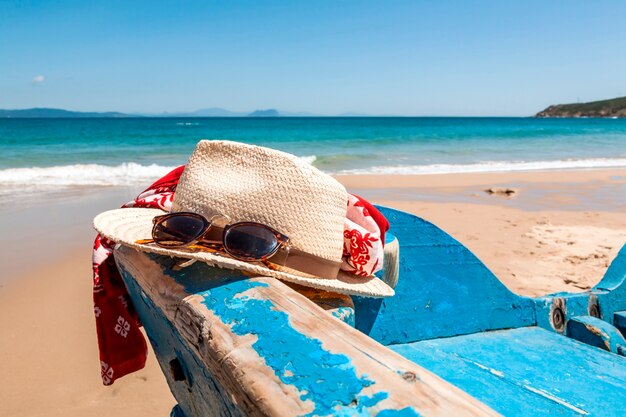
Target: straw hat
[[252, 183]]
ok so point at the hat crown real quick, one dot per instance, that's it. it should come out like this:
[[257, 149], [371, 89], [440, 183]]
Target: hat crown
[[252, 183]]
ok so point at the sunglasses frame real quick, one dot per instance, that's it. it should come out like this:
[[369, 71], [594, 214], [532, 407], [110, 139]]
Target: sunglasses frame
[[282, 240]]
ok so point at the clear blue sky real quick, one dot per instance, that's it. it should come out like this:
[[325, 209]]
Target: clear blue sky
[[326, 57]]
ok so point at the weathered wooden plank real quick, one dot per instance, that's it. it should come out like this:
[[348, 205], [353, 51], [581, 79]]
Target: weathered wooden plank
[[339, 305], [199, 393], [528, 372], [443, 290], [270, 351]]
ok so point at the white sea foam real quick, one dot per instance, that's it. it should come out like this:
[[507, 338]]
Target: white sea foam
[[131, 173], [309, 158], [491, 166], [84, 174]]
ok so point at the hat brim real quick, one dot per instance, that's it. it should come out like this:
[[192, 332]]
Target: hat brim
[[129, 225]]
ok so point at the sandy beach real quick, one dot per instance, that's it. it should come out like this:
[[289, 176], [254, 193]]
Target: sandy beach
[[539, 232]]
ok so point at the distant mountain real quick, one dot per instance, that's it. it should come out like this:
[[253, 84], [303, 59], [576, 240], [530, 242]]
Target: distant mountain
[[265, 113], [605, 108], [217, 112], [56, 113], [220, 112], [211, 112]]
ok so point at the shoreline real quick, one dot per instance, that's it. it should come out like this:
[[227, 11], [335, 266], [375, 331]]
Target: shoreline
[[79, 176], [61, 220], [471, 178], [558, 233]]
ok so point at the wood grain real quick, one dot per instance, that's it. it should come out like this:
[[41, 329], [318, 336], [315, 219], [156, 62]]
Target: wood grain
[[228, 324]]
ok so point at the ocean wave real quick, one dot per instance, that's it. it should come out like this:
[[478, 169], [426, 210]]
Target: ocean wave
[[129, 173], [309, 158], [491, 166]]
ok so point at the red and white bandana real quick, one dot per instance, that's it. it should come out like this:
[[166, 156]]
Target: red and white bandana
[[123, 347], [363, 237]]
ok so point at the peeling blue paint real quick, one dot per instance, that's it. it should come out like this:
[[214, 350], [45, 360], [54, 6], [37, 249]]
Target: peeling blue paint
[[405, 412], [295, 358], [345, 314], [208, 393], [361, 408], [333, 388]]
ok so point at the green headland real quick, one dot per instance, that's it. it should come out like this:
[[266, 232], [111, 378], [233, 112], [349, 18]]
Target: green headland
[[614, 108]]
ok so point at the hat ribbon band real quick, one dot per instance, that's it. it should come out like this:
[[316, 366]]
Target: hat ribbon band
[[306, 262]]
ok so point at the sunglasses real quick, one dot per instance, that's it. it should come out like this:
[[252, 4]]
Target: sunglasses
[[245, 241]]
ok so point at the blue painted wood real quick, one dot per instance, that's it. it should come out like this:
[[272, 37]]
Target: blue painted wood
[[254, 346], [571, 304], [604, 301], [287, 352], [168, 345], [443, 284], [443, 290], [527, 372], [611, 289], [619, 321], [443, 316], [330, 383], [338, 305], [615, 275], [596, 332], [345, 314], [328, 380]]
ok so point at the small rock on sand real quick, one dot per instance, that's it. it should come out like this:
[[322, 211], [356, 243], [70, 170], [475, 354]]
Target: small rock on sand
[[503, 192]]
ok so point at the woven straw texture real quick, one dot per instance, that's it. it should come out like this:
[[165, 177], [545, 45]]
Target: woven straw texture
[[252, 183]]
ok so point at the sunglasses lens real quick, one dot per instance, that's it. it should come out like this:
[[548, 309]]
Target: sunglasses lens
[[178, 230], [248, 241]]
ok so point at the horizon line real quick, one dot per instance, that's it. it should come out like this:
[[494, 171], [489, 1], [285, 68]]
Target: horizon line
[[234, 114]]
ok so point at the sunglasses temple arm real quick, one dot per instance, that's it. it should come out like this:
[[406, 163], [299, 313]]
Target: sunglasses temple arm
[[144, 241]]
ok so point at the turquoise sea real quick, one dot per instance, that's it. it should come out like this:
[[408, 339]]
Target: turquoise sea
[[75, 152]]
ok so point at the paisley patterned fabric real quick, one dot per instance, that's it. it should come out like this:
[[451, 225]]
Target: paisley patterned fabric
[[364, 237], [123, 347]]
